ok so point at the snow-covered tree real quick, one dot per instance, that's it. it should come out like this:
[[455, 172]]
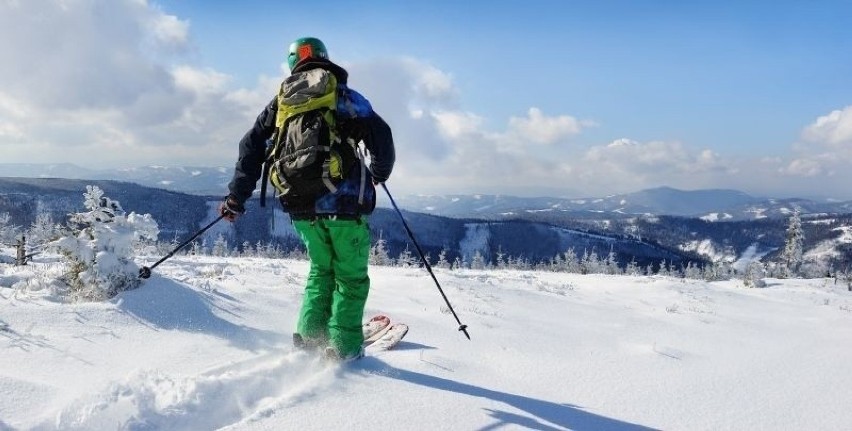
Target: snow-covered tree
[[220, 246], [247, 250], [590, 263], [692, 271], [379, 253], [754, 274], [478, 261], [791, 257], [43, 230], [665, 270], [632, 268], [442, 260], [99, 247], [610, 265], [458, 263], [500, 259], [406, 259], [196, 249], [571, 262], [8, 231]]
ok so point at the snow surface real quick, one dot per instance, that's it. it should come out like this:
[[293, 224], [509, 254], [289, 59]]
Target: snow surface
[[707, 249], [716, 217], [828, 249], [205, 344]]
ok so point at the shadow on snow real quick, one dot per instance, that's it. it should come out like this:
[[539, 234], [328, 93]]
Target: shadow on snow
[[169, 305], [544, 412]]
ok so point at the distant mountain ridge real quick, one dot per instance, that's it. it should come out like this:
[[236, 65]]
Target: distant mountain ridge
[[707, 204], [203, 181], [710, 205], [178, 215], [535, 236]]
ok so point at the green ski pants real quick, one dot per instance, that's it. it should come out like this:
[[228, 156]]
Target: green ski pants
[[338, 284]]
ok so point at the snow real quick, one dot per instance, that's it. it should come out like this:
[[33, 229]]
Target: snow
[[716, 217], [205, 344], [751, 254], [708, 249], [827, 249], [759, 213]]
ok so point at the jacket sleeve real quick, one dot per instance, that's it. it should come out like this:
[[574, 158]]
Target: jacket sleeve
[[379, 141], [252, 154]]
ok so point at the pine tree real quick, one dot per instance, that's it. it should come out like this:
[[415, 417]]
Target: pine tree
[[442, 260], [220, 246], [692, 271], [458, 263], [501, 258], [664, 269], [8, 231], [379, 253], [572, 264], [632, 268], [43, 230], [611, 264], [591, 263], [794, 246], [754, 274], [99, 247], [477, 261], [405, 258]]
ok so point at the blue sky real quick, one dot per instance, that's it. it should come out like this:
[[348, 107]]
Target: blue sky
[[534, 97], [699, 71]]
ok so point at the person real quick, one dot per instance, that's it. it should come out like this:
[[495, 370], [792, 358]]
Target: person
[[333, 227]]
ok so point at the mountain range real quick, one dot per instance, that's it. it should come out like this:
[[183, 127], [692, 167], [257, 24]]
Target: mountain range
[[710, 205], [646, 227]]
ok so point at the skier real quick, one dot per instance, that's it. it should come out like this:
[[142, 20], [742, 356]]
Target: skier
[[332, 226]]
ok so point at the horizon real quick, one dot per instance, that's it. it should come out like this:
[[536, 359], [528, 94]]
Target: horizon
[[590, 99], [382, 202], [557, 195]]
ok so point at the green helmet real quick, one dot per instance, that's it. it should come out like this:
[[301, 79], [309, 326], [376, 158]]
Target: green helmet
[[305, 47]]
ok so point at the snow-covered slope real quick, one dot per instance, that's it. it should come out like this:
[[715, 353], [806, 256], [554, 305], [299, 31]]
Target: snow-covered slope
[[204, 344]]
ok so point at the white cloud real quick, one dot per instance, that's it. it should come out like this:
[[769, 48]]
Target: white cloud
[[200, 81], [101, 81], [431, 82], [832, 131], [628, 165], [170, 31], [10, 130], [540, 129], [456, 125], [803, 168], [825, 149]]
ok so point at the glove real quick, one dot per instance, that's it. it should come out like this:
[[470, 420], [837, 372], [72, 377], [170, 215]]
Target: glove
[[230, 209]]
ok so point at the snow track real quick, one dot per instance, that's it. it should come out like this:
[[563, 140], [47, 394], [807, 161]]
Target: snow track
[[225, 395]]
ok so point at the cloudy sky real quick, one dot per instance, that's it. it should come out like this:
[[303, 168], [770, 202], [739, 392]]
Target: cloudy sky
[[534, 97]]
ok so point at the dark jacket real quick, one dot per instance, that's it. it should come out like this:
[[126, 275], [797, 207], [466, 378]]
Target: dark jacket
[[366, 126]]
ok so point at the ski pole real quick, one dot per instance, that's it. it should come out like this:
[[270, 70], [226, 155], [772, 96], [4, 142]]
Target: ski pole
[[462, 327], [145, 271]]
